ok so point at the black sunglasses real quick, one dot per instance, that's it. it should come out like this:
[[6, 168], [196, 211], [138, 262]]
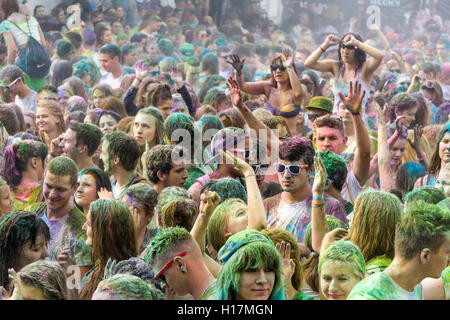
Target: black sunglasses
[[275, 67], [262, 167], [313, 117]]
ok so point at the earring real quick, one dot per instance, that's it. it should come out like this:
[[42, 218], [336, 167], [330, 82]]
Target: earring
[[184, 270]]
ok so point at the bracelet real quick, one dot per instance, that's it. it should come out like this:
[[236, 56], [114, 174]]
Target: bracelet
[[322, 49], [356, 114], [250, 175], [318, 205], [318, 198]]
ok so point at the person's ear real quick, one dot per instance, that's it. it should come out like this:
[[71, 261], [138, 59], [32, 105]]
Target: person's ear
[[425, 255], [345, 140], [116, 161], [180, 264], [228, 234], [83, 148], [34, 162], [161, 176]]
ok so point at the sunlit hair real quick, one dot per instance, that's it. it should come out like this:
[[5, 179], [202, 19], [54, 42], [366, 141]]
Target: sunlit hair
[[159, 121], [55, 110], [164, 241], [158, 94], [330, 121], [399, 103], [113, 236], [422, 226], [375, 216], [129, 287], [49, 277], [145, 86], [279, 235], [17, 229], [218, 222], [251, 256], [346, 252]]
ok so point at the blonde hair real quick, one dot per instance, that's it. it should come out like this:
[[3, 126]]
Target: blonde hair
[[56, 112]]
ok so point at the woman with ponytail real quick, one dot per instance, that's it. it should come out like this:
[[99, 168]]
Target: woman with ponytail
[[23, 169]]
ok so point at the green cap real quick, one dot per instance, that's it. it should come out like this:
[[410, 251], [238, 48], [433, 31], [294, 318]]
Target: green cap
[[321, 103], [186, 51]]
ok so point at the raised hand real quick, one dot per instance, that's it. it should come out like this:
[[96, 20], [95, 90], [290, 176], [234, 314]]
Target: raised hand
[[105, 194], [235, 92], [209, 202], [55, 149], [14, 278], [320, 176], [240, 164], [381, 115], [110, 268], [331, 40], [333, 236], [418, 131], [284, 248], [288, 60], [353, 102], [237, 63], [350, 40]]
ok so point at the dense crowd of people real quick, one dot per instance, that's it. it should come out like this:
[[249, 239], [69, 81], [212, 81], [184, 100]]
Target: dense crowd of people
[[196, 150]]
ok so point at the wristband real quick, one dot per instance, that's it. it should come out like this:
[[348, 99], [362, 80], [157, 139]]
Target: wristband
[[322, 49], [318, 205], [356, 113], [318, 198]]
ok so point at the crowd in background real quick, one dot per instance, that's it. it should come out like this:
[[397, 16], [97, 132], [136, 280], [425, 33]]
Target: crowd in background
[[189, 149]]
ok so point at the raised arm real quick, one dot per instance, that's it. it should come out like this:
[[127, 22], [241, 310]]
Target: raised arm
[[328, 65], [256, 212], [289, 64], [318, 220], [353, 103], [384, 156], [254, 88], [253, 122]]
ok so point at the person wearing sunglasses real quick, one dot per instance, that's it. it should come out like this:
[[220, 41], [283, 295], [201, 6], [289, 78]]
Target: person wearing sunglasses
[[352, 64], [291, 209], [282, 89], [318, 107], [13, 85], [177, 261]]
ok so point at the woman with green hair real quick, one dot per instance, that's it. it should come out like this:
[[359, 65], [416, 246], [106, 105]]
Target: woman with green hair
[[341, 267], [88, 72], [23, 170], [251, 269], [428, 194]]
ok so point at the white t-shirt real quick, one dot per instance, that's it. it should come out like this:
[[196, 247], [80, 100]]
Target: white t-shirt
[[351, 188], [109, 79], [28, 103]]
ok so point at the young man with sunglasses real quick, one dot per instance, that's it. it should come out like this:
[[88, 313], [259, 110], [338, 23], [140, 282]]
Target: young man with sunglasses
[[318, 107], [291, 210], [13, 85], [178, 262]]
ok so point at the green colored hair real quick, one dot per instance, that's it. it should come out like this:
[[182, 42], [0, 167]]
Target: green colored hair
[[171, 193], [143, 196], [163, 241], [444, 204], [159, 121], [227, 188], [423, 225], [179, 213], [178, 121], [63, 166], [346, 252], [87, 134], [214, 94], [251, 256], [159, 159], [375, 217], [332, 223], [87, 67], [428, 194], [130, 287], [218, 222], [336, 168]]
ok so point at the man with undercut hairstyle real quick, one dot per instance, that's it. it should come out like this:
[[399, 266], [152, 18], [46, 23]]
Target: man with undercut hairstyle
[[162, 171], [80, 142], [65, 221], [120, 155], [177, 260], [422, 250]]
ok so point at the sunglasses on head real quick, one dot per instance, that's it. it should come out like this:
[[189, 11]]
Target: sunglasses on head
[[275, 67], [262, 167], [293, 169], [9, 86], [160, 275]]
